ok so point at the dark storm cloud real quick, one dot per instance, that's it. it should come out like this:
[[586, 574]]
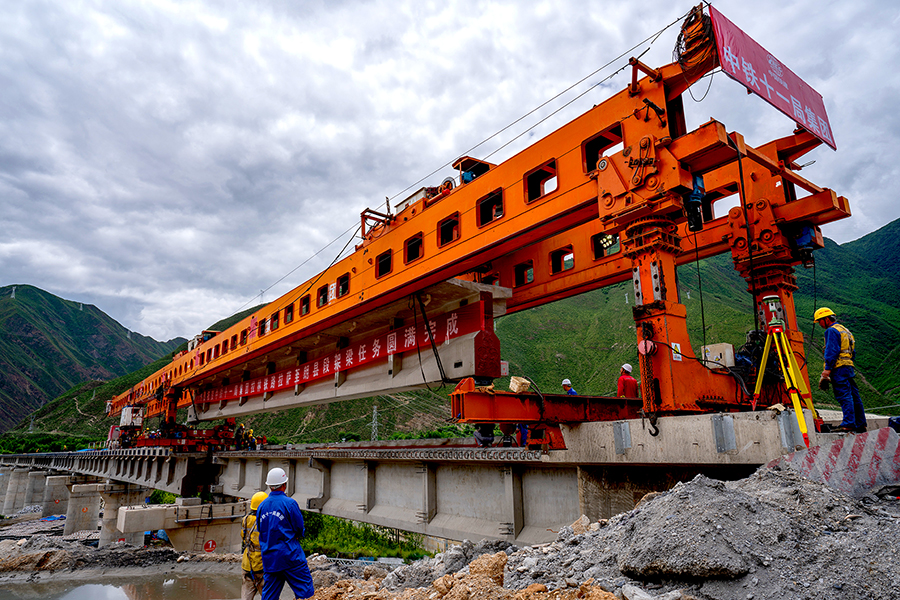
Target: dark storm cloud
[[167, 161]]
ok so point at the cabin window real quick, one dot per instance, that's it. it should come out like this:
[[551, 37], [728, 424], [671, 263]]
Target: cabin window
[[448, 230], [603, 144], [289, 313], [524, 273], [262, 327], [234, 342], [216, 351], [244, 337], [343, 285], [541, 181], [304, 305], [561, 260], [413, 249], [383, 264], [322, 296], [491, 279], [604, 244], [490, 208]]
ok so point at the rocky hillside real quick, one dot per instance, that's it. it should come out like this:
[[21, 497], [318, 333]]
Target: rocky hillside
[[48, 345]]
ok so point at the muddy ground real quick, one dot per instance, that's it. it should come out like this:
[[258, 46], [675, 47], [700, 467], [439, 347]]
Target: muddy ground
[[772, 535]]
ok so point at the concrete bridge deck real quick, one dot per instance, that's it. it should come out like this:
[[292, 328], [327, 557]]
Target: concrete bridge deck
[[442, 488]]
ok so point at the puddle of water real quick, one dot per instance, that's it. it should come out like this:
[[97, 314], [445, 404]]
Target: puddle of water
[[156, 587]]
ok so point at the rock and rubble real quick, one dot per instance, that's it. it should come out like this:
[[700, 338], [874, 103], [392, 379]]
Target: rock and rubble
[[772, 535]]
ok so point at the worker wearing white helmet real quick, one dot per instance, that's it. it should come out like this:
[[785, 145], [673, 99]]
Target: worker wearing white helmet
[[280, 525], [626, 386], [567, 387]]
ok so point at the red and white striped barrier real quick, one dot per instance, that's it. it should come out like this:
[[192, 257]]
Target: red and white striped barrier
[[854, 464]]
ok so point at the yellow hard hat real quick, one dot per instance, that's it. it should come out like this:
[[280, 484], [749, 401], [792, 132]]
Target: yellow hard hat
[[822, 313], [257, 499]]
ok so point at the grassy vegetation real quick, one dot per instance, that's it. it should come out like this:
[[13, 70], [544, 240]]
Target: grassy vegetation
[[346, 539]]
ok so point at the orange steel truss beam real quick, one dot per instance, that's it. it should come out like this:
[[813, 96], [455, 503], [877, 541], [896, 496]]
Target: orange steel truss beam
[[625, 170]]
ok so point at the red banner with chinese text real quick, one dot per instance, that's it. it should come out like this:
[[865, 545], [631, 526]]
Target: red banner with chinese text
[[465, 320], [748, 63]]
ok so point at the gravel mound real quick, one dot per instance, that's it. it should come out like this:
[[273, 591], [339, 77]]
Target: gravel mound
[[772, 535]]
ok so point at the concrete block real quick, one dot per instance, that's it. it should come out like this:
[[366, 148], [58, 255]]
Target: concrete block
[[854, 464]]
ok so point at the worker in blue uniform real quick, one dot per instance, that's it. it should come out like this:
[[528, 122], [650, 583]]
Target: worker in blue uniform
[[840, 350], [280, 525], [568, 389]]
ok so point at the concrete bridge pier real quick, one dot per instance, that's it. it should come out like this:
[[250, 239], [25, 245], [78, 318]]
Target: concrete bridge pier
[[56, 495], [83, 509], [34, 488], [15, 491], [4, 483], [116, 496]]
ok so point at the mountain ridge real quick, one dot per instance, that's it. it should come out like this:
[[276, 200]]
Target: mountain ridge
[[49, 344]]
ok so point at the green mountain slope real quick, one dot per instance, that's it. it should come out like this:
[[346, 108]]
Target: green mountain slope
[[48, 344], [588, 337]]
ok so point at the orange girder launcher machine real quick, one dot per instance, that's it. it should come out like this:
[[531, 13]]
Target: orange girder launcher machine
[[623, 192]]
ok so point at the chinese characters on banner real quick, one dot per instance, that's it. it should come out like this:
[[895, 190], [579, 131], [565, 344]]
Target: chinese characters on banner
[[462, 321], [748, 63]]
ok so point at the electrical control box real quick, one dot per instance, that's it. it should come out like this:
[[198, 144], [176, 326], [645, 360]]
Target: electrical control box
[[718, 355]]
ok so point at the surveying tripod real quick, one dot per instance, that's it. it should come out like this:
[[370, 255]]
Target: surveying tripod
[[793, 379]]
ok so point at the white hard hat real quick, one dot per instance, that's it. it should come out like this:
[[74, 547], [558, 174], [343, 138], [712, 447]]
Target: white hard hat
[[626, 367], [566, 382], [276, 477]]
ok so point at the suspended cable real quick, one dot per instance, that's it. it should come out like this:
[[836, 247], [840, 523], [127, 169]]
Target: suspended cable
[[652, 39]]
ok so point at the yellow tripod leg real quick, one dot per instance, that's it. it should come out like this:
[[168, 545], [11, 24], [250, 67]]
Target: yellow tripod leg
[[792, 390], [762, 369], [797, 375]]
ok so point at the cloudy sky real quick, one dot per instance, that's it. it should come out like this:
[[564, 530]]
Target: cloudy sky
[[167, 161]]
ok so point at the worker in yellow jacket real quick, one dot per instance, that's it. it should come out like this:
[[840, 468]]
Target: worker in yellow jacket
[[251, 563]]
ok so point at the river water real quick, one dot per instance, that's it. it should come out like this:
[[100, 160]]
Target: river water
[[156, 587]]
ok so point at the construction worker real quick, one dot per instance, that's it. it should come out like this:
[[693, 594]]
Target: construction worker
[[626, 387], [251, 563], [568, 389], [280, 525], [840, 350]]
